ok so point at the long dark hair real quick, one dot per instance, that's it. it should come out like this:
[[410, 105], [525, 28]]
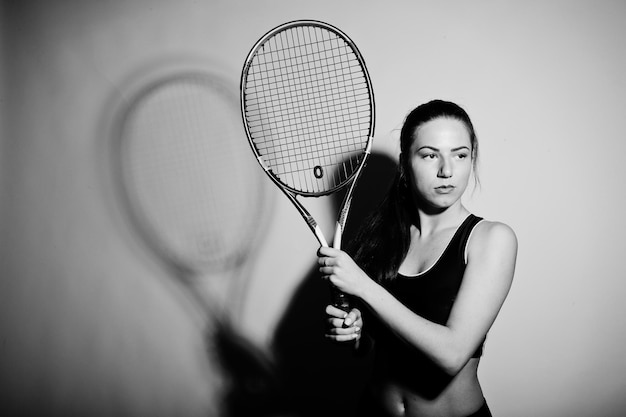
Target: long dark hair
[[382, 243]]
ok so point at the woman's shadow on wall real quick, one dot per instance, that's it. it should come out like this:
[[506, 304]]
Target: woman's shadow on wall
[[324, 378]]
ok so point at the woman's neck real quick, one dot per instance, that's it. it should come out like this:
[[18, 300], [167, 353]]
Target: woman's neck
[[431, 222]]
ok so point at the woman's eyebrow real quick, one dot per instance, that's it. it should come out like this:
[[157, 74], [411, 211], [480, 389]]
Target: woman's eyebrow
[[460, 148]]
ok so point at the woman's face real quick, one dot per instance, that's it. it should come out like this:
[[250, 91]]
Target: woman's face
[[440, 161]]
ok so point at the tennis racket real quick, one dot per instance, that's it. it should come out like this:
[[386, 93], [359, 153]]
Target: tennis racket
[[189, 183], [308, 110]]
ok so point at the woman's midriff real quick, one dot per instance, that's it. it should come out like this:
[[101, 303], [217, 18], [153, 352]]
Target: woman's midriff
[[460, 398]]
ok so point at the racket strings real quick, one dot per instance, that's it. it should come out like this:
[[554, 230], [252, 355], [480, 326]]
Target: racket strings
[[326, 82], [308, 108]]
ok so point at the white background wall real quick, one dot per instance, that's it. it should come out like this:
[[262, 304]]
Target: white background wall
[[91, 325]]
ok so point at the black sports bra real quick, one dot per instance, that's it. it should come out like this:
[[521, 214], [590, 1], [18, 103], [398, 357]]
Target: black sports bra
[[430, 294]]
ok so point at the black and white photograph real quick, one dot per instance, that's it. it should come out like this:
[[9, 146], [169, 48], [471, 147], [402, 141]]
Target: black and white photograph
[[273, 208]]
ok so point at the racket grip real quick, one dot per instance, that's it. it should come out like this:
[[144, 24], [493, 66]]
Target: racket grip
[[339, 299]]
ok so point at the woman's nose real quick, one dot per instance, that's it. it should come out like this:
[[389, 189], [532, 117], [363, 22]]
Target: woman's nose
[[445, 169]]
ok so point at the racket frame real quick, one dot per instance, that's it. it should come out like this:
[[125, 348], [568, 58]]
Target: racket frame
[[290, 192]]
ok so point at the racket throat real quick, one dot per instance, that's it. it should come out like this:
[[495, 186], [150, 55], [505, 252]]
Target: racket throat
[[317, 231]]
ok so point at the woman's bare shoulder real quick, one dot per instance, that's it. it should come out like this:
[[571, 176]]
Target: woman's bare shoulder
[[493, 236]]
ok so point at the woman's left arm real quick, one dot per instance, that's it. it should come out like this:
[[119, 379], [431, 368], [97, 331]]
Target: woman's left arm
[[491, 257]]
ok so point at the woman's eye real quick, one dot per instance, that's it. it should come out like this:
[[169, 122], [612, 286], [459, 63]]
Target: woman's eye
[[462, 156], [430, 156]]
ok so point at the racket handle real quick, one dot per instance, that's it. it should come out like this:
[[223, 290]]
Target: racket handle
[[339, 299]]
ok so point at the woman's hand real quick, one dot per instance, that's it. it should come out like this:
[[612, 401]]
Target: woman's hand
[[339, 268], [342, 326]]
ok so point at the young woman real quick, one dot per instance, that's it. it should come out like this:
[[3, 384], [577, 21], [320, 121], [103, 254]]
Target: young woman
[[431, 276]]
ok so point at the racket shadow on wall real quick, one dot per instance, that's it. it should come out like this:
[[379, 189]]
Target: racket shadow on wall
[[187, 183]]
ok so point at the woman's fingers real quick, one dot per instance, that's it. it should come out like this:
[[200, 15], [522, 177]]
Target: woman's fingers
[[339, 319], [343, 338], [349, 318], [343, 330], [343, 326], [335, 312], [337, 323], [327, 251], [352, 317], [343, 334]]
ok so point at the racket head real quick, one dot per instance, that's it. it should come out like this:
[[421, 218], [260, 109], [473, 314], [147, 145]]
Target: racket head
[[308, 107], [189, 184]]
